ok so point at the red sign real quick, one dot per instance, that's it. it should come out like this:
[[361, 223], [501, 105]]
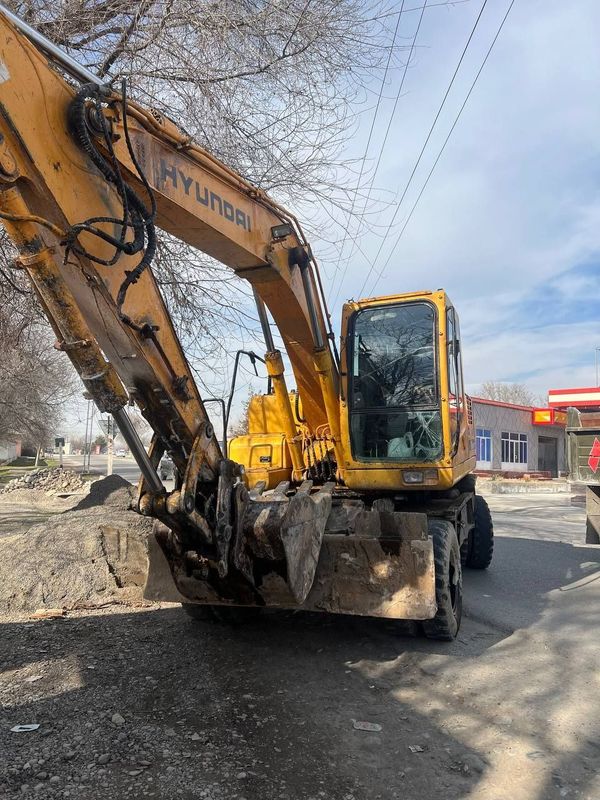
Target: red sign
[[578, 398], [548, 416], [594, 459]]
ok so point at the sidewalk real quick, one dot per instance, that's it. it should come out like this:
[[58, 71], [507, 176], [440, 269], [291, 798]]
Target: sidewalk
[[523, 486]]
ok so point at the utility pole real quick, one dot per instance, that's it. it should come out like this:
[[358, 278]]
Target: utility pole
[[59, 441], [91, 439], [110, 432], [87, 442]]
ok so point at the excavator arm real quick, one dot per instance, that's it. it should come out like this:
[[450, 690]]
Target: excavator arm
[[86, 177]]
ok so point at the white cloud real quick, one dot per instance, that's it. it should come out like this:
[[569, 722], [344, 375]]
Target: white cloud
[[513, 210]]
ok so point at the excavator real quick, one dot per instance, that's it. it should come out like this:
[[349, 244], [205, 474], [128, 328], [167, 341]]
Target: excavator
[[352, 492]]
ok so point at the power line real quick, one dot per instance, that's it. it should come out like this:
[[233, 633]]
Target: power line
[[423, 148], [364, 158], [483, 63], [383, 144]]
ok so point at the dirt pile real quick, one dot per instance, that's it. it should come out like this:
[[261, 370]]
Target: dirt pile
[[51, 481], [87, 556], [111, 492]]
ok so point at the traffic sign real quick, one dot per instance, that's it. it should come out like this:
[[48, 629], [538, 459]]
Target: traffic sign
[[109, 427]]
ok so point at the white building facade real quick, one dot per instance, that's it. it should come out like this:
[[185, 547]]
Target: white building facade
[[508, 441]]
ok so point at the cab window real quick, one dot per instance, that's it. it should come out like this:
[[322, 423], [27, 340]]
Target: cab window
[[394, 393]]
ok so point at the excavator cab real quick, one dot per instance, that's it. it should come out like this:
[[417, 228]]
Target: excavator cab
[[406, 417]]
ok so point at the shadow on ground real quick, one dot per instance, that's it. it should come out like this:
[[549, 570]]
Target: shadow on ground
[[264, 711], [267, 711]]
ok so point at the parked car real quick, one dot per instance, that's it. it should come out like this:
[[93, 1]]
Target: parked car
[[166, 467], [121, 453]]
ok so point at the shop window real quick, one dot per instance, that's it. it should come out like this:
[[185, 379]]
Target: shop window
[[483, 445], [514, 448]]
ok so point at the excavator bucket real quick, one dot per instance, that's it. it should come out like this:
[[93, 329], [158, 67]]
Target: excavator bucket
[[333, 557], [384, 568]]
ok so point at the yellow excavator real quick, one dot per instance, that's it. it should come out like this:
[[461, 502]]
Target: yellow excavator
[[352, 493]]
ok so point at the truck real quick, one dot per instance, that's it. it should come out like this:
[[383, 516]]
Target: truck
[[353, 491], [583, 456]]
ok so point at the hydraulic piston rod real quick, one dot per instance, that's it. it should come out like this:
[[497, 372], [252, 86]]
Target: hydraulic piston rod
[[138, 451]]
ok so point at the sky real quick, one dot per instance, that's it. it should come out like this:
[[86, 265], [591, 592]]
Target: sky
[[509, 223]]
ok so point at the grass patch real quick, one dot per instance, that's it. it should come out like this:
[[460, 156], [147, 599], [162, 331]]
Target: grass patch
[[90, 476], [6, 475], [22, 466], [22, 461]]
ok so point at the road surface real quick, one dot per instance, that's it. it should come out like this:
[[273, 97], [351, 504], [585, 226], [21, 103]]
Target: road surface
[[23, 513], [146, 703], [125, 467]]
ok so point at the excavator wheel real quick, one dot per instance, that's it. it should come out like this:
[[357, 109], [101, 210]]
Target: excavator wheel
[[467, 484], [230, 615], [481, 538], [448, 582]]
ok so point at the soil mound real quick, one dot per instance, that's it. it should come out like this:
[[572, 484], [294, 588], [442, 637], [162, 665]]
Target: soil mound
[[89, 555], [113, 491]]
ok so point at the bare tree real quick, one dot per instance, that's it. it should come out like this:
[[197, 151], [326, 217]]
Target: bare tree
[[517, 393], [270, 87], [78, 443], [241, 426], [37, 381]]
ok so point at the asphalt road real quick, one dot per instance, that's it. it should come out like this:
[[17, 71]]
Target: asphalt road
[[509, 711], [125, 467], [540, 559]]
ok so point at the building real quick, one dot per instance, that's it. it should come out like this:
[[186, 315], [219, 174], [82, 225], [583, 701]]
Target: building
[[584, 399], [514, 439], [9, 449]]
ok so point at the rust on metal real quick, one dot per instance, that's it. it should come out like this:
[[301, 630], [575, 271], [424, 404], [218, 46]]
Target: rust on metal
[[381, 566]]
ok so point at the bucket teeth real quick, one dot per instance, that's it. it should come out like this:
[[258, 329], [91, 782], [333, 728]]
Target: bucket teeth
[[289, 531], [302, 535], [258, 490]]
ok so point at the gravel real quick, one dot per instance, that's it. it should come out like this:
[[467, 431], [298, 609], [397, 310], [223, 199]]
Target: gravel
[[198, 711], [87, 556], [51, 481]]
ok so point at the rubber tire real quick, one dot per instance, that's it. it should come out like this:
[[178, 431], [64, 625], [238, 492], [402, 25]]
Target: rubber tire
[[467, 484], [481, 538], [448, 574], [591, 534]]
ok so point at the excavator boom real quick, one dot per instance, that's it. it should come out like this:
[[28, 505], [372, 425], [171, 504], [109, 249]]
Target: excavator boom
[[85, 179]]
